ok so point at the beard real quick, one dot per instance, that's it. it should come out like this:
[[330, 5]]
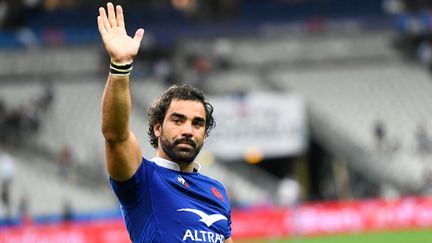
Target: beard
[[183, 155]]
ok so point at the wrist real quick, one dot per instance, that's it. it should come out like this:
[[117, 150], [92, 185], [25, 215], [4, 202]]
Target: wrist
[[120, 69], [121, 62]]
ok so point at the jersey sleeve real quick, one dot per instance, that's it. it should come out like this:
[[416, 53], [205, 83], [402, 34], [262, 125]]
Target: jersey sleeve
[[227, 209], [227, 233], [129, 192]]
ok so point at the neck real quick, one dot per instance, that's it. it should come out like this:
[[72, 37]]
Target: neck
[[184, 167]]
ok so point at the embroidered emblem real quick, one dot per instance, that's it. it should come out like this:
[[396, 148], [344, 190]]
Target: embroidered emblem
[[217, 193], [182, 181]]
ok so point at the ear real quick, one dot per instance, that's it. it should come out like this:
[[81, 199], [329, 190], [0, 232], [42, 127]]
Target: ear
[[157, 130]]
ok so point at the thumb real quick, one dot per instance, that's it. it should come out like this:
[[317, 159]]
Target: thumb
[[139, 35]]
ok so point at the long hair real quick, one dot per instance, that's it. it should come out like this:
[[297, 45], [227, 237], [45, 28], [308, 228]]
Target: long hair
[[157, 111]]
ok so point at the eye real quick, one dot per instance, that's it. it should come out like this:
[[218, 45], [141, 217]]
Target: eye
[[198, 123], [176, 121]]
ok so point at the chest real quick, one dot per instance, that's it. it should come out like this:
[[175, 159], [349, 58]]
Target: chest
[[195, 207]]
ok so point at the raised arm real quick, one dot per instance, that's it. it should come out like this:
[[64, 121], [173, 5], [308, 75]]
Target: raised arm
[[122, 151]]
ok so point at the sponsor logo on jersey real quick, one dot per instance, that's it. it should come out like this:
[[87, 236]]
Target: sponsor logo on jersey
[[206, 219], [202, 235]]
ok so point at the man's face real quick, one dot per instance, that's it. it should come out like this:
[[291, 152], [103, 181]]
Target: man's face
[[181, 135]]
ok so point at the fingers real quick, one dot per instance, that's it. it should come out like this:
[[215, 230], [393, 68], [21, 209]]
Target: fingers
[[104, 20], [111, 15], [113, 19], [120, 17], [111, 24], [101, 26], [139, 35]]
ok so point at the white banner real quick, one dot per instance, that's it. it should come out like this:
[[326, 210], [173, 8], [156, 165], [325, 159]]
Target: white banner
[[274, 124]]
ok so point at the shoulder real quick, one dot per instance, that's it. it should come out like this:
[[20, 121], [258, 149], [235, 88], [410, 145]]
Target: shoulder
[[148, 162], [216, 188], [211, 180]]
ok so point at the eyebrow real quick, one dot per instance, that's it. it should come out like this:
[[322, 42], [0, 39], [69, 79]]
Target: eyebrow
[[178, 115], [183, 117], [199, 119]]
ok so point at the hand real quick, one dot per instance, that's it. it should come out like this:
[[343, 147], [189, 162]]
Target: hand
[[121, 47]]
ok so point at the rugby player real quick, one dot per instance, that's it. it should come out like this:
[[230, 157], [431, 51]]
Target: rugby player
[[165, 198]]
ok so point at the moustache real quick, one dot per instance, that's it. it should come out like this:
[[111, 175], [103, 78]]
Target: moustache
[[186, 141]]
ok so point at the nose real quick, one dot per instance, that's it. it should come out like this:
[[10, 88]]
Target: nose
[[187, 129]]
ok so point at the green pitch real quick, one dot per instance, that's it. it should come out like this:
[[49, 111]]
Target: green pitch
[[413, 236]]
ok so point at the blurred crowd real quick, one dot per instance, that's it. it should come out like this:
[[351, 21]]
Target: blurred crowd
[[14, 14], [18, 124], [7, 176], [413, 21], [192, 67], [386, 142], [392, 148]]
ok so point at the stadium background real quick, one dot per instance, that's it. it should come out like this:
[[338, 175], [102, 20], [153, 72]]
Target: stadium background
[[323, 115]]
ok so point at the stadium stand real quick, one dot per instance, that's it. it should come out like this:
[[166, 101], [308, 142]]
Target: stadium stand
[[299, 49], [333, 95], [350, 78], [46, 193], [74, 120], [39, 61], [350, 81], [348, 101]]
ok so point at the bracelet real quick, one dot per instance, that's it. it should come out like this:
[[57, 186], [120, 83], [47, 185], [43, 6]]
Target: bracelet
[[123, 69]]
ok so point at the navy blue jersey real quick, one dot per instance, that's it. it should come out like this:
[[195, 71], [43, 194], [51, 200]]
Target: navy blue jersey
[[161, 204]]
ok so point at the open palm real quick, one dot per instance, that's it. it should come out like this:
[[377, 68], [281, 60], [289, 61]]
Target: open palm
[[121, 47]]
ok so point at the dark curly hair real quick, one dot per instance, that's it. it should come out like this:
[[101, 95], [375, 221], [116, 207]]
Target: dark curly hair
[[157, 111]]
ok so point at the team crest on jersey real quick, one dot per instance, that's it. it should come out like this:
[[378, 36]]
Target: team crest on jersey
[[182, 181]]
